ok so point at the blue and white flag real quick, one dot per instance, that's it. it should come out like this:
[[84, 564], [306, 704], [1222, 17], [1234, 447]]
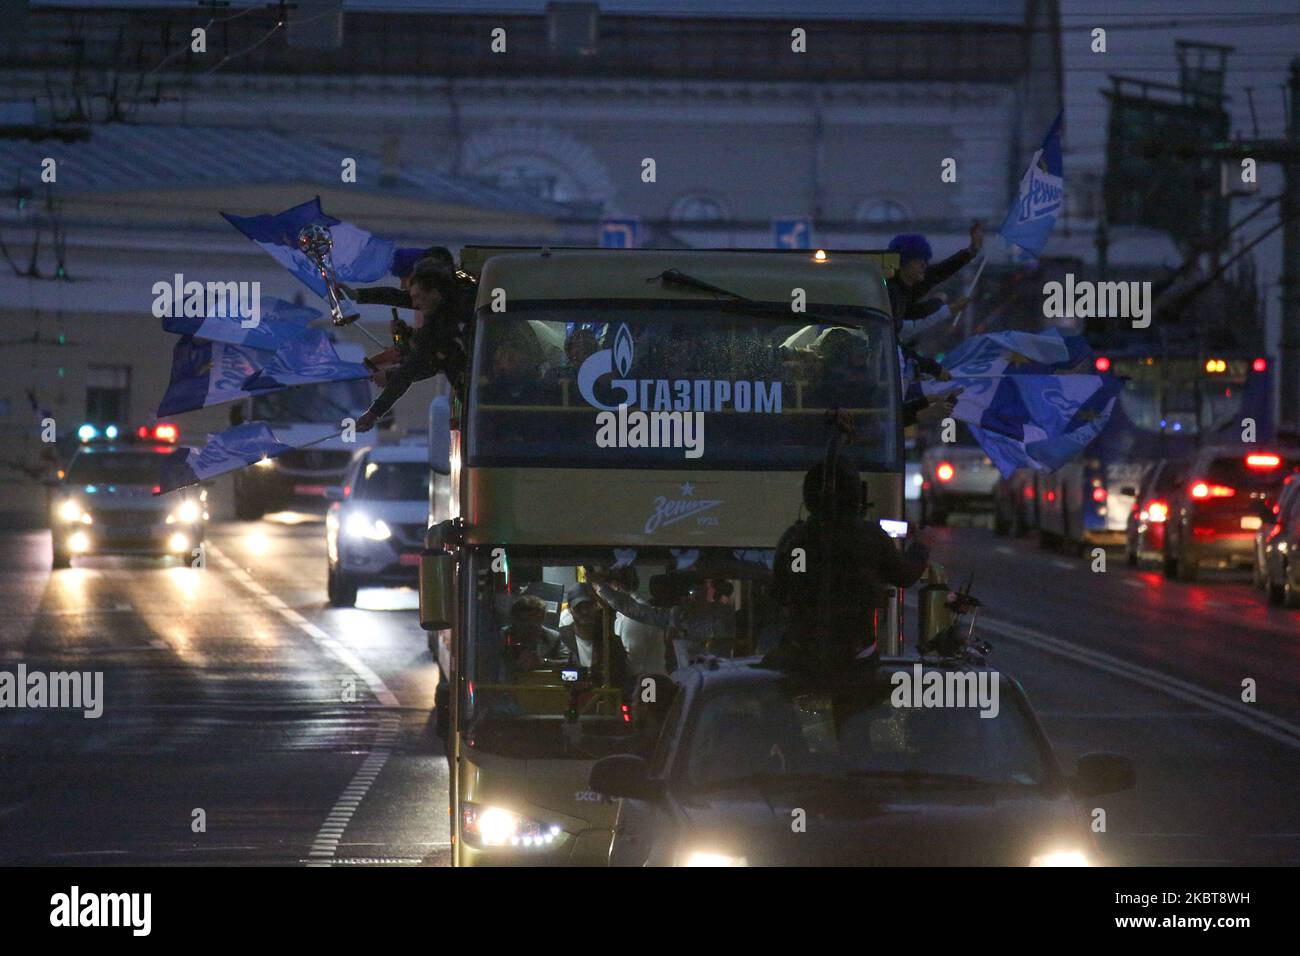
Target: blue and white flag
[[358, 256], [1017, 408], [230, 450], [307, 360], [1040, 198], [279, 323], [209, 373], [1016, 353], [1036, 421]]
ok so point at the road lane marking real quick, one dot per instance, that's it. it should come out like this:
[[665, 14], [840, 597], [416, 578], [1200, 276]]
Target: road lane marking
[[1004, 549], [1260, 722], [1065, 565], [325, 844]]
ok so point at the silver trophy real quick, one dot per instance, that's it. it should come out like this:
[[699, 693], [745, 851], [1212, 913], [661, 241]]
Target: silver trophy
[[317, 244]]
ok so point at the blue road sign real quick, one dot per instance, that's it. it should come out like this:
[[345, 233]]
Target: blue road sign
[[792, 232], [619, 233]]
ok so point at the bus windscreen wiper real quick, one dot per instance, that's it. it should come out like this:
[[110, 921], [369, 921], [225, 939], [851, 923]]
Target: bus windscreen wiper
[[679, 278]]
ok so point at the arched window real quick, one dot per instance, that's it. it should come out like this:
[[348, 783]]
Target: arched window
[[883, 210]]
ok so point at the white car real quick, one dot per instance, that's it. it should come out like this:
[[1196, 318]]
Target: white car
[[955, 478], [374, 529]]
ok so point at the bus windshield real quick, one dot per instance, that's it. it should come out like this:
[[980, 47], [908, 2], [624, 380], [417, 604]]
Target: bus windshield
[[703, 386], [554, 664]]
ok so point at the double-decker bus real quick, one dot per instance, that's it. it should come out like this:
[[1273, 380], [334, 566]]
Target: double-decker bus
[[1174, 402], [645, 418]]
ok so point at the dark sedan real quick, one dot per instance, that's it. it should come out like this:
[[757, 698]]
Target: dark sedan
[[756, 767]]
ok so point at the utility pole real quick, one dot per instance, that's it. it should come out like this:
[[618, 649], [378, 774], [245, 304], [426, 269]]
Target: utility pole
[[1287, 153]]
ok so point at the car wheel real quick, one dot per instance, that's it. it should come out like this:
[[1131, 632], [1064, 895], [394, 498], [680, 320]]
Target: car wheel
[[1257, 575], [1188, 569], [1290, 593], [1170, 566], [1274, 592], [1001, 523], [342, 590], [1130, 557]]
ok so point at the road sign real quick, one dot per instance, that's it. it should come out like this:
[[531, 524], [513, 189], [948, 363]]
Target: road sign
[[619, 233], [792, 232]]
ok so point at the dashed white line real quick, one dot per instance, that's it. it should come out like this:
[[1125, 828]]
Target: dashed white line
[[325, 845]]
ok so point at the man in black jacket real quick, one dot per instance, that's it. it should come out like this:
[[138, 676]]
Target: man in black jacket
[[834, 583], [446, 302]]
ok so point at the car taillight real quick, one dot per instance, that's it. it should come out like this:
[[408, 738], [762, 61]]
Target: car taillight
[[945, 471], [1157, 512], [1259, 365], [1029, 493], [1101, 364], [1263, 462], [1204, 490], [1099, 494]]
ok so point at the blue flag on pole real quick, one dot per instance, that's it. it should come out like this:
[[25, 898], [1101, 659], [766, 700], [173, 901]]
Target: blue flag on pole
[[230, 450], [358, 255], [1020, 411], [1040, 198], [307, 360], [278, 323], [209, 373]]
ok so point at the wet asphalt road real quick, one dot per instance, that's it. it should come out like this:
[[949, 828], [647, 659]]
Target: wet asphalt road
[[302, 732]]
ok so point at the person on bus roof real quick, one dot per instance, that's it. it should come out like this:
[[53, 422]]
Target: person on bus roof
[[837, 585], [913, 312], [437, 345]]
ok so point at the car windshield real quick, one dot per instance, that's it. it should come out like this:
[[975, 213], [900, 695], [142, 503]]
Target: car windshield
[[549, 383], [555, 665], [778, 731], [313, 404], [116, 467], [393, 481]]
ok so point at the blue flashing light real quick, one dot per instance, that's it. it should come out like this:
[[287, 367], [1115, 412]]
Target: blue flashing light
[[87, 432], [1178, 426], [91, 489], [110, 432]]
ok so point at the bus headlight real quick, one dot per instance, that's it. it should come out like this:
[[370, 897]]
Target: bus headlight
[[188, 512], [489, 826], [1061, 858], [79, 542], [178, 543], [360, 526], [70, 511], [708, 858]]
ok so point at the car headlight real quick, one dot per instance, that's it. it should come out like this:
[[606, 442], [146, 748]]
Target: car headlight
[[1061, 858], [188, 512], [359, 526], [709, 858], [264, 463], [489, 826]]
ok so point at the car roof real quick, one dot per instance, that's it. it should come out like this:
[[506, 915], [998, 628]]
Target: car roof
[[398, 453]]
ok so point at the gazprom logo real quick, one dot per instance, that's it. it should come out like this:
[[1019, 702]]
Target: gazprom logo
[[661, 394], [623, 350]]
